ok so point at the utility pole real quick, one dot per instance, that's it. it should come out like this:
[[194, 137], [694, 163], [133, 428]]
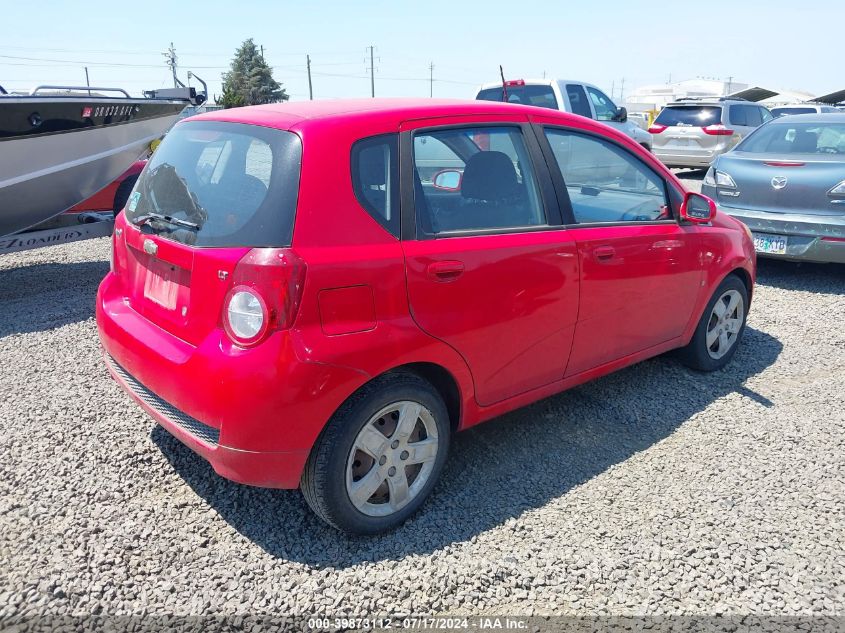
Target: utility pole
[[622, 90], [171, 60], [431, 79], [310, 89], [87, 81], [730, 85], [612, 89], [372, 75]]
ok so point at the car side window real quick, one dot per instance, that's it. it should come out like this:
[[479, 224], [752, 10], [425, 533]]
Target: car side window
[[605, 108], [471, 179], [605, 183], [375, 179], [765, 114], [578, 100], [738, 115]]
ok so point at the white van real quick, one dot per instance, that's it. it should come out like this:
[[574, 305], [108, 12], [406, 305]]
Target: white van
[[576, 97]]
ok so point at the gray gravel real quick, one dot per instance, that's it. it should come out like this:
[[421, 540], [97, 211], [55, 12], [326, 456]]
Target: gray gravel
[[652, 491]]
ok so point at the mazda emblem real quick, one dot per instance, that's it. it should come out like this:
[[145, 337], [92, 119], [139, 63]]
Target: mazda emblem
[[150, 247], [779, 182]]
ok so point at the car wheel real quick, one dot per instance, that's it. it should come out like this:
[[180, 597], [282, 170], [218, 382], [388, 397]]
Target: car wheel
[[720, 329], [379, 456], [122, 194]]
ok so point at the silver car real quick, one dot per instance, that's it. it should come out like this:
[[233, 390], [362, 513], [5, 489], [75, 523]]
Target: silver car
[[693, 132], [803, 108], [786, 182]]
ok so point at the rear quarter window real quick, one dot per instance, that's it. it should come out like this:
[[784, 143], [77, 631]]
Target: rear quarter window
[[375, 179]]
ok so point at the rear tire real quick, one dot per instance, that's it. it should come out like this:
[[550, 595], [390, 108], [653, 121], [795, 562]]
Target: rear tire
[[379, 456], [122, 194], [720, 329]]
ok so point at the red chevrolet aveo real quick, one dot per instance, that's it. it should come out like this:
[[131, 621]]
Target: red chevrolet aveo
[[319, 295]]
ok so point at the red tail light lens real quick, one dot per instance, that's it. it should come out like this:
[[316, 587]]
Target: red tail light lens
[[717, 129], [266, 290], [656, 128]]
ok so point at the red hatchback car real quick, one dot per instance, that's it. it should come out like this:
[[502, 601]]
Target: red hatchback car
[[318, 295]]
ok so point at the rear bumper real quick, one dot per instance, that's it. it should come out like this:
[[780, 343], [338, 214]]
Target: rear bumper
[[810, 238], [674, 159], [252, 414]]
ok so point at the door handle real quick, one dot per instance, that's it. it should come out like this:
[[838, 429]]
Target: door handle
[[604, 253], [448, 270]]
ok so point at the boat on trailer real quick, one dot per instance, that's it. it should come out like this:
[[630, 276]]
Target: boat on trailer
[[61, 144]]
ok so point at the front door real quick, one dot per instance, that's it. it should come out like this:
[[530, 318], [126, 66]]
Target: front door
[[490, 270], [640, 269]]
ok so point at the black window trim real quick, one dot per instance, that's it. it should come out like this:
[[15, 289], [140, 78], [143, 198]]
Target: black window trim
[[565, 203], [548, 197], [354, 153]]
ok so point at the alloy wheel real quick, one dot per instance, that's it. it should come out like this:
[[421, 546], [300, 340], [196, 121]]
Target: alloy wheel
[[392, 458], [724, 324]]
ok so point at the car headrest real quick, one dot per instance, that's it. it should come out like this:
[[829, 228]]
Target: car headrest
[[489, 176], [805, 142]]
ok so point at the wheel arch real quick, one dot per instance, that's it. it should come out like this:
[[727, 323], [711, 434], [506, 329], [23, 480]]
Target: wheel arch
[[745, 278], [443, 381]]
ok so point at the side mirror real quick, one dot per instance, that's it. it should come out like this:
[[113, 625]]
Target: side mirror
[[697, 208], [448, 180], [621, 114]]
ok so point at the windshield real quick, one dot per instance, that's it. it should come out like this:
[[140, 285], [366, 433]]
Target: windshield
[[796, 138], [219, 184], [541, 96], [689, 116]]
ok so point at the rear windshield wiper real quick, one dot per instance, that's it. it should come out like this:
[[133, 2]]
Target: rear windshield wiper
[[143, 219]]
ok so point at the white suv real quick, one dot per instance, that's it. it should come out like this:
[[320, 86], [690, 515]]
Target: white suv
[[576, 97], [692, 132]]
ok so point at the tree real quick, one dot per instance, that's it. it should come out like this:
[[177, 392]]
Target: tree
[[250, 80]]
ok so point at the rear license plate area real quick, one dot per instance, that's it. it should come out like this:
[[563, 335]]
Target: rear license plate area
[[160, 284], [771, 244]]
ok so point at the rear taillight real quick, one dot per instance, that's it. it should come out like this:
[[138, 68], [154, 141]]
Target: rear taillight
[[656, 128], [266, 290], [116, 253], [717, 129]]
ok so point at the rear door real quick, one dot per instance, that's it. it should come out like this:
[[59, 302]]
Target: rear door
[[640, 270], [490, 270]]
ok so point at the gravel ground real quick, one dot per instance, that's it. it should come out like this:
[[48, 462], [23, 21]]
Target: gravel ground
[[652, 491]]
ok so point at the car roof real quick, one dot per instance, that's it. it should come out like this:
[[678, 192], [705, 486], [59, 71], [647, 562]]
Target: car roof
[[708, 102], [536, 82], [810, 117], [379, 111]]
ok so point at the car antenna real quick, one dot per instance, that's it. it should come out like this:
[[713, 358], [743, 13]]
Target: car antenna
[[504, 87]]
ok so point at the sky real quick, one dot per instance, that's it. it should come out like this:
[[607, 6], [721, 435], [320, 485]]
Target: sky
[[614, 44]]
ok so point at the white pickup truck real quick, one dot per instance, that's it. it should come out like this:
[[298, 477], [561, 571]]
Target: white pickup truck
[[576, 97]]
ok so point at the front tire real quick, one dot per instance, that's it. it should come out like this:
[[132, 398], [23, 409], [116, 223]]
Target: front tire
[[720, 329], [379, 456]]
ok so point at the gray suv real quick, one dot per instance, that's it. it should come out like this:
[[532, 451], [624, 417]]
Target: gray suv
[[693, 132]]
